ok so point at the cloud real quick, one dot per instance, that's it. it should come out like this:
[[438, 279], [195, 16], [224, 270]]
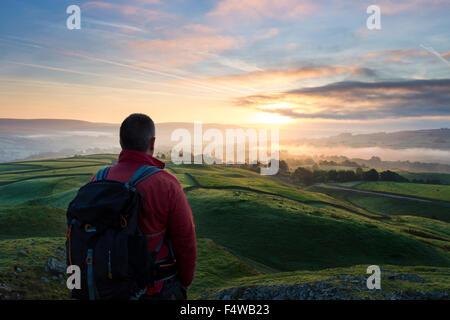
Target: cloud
[[138, 13], [260, 9], [399, 6], [199, 28], [359, 100], [269, 34], [268, 77], [149, 1], [396, 55], [182, 50]]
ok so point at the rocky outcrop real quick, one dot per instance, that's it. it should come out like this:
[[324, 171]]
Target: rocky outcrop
[[341, 288]]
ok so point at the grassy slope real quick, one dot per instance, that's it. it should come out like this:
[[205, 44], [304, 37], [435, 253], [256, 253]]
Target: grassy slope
[[220, 176], [443, 177], [390, 206], [249, 224], [437, 192], [286, 235], [32, 221], [216, 267], [37, 191]]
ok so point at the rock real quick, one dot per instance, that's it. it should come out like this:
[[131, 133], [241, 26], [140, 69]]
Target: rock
[[60, 252], [45, 279], [18, 269], [6, 293], [329, 289], [22, 250], [56, 266]]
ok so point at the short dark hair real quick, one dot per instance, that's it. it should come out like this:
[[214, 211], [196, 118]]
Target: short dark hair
[[136, 132]]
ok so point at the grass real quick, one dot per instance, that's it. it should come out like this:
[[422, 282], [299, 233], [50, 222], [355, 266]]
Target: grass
[[287, 236], [428, 191], [31, 221], [22, 268], [8, 167], [221, 176], [444, 178], [390, 206], [216, 267], [37, 191], [244, 237]]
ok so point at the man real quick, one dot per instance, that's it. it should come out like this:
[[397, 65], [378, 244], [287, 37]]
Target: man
[[166, 210]]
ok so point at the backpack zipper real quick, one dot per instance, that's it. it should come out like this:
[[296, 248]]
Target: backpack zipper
[[109, 265]]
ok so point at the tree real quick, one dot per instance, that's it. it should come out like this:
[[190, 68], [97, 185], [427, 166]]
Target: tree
[[371, 175], [283, 168], [392, 176], [320, 176], [346, 175], [359, 174], [332, 175], [304, 176]]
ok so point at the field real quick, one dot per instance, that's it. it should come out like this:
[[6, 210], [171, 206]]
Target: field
[[444, 178], [426, 191], [253, 231]]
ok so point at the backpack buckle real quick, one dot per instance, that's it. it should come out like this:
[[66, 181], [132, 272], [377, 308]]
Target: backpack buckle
[[123, 222]]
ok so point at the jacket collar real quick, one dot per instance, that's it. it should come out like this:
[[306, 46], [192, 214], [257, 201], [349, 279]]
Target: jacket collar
[[140, 157]]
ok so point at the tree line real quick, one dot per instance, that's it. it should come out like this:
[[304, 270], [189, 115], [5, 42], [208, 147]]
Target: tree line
[[314, 175]]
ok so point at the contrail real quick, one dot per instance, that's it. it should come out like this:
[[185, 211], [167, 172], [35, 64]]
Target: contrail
[[71, 85], [38, 66], [437, 54], [161, 73], [140, 70], [101, 75]]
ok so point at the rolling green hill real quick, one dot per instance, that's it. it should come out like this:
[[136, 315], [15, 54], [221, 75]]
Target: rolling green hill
[[426, 191], [252, 230]]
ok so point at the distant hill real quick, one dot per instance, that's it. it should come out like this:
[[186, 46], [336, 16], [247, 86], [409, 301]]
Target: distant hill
[[43, 138], [45, 125], [39, 138]]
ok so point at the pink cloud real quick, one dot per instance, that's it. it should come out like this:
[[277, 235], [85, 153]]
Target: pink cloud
[[269, 34], [396, 55], [398, 6], [199, 28], [272, 77], [254, 9], [143, 14], [182, 50]]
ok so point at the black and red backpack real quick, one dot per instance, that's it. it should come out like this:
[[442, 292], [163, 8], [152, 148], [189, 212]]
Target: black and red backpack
[[104, 240]]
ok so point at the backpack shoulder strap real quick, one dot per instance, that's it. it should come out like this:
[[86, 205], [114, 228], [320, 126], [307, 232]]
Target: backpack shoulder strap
[[142, 174], [102, 173]]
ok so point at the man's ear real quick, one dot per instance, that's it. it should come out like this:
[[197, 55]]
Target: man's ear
[[151, 146]]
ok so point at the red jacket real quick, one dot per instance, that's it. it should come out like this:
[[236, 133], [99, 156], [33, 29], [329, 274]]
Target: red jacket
[[166, 209]]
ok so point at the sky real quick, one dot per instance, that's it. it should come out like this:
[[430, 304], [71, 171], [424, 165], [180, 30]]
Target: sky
[[293, 63]]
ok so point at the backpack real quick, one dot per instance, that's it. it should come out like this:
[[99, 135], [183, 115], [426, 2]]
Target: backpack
[[104, 241]]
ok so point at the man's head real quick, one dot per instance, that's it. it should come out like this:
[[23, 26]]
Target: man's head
[[137, 132]]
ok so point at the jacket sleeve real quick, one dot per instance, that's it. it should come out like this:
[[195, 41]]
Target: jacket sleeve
[[182, 234]]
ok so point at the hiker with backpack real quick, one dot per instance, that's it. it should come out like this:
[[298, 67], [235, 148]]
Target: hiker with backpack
[[130, 229]]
